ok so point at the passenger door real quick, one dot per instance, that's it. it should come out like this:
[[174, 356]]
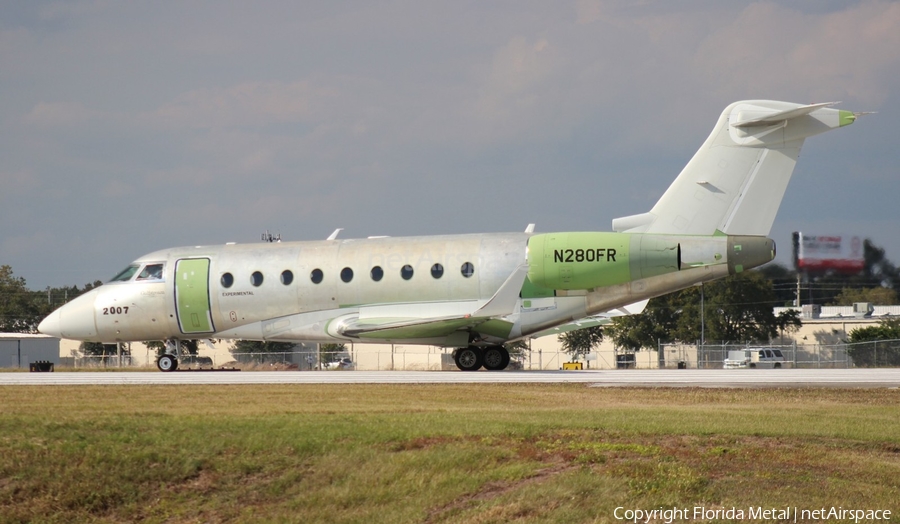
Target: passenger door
[[192, 296]]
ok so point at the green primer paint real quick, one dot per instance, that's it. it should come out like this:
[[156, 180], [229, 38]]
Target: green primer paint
[[846, 118], [588, 260], [192, 295], [529, 290], [495, 328], [436, 329]]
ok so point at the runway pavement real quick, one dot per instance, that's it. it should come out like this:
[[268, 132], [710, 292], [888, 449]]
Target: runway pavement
[[770, 378]]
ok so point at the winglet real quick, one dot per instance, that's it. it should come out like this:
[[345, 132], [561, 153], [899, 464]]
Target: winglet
[[505, 299], [335, 234], [530, 228]]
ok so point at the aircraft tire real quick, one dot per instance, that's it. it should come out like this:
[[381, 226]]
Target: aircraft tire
[[167, 363], [469, 358], [496, 358]]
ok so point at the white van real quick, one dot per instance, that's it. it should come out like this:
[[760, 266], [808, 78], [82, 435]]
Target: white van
[[770, 358]]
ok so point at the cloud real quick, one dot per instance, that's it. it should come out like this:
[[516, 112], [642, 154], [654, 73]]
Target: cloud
[[117, 189], [404, 117], [58, 114], [514, 94], [17, 184], [73, 9], [776, 51], [246, 104]]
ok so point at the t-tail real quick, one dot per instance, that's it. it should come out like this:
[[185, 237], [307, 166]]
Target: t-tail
[[735, 183]]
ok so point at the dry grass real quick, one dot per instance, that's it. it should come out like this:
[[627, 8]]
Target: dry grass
[[436, 453]]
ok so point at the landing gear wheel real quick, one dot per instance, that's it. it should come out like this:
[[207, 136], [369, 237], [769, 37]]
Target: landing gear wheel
[[167, 363], [469, 359], [496, 358]]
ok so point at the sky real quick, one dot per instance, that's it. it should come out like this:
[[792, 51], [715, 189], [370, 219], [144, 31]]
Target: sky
[[128, 127]]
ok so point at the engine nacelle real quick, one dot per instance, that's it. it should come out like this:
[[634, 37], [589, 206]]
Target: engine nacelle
[[590, 260]]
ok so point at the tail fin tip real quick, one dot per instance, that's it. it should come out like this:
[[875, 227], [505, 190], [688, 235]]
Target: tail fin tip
[[735, 182]]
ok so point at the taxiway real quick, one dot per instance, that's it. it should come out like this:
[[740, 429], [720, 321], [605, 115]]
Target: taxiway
[[712, 378]]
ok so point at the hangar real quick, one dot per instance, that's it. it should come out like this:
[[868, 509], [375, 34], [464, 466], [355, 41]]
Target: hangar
[[19, 350]]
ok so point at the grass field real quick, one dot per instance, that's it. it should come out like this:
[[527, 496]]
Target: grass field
[[437, 453]]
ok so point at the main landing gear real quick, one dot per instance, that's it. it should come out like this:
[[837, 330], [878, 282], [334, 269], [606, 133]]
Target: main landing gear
[[473, 358], [168, 361]]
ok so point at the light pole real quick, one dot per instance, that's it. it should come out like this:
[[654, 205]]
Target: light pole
[[702, 318]]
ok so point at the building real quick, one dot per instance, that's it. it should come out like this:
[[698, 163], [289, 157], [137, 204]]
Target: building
[[19, 350]]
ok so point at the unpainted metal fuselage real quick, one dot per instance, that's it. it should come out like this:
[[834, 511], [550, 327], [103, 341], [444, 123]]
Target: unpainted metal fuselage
[[273, 291]]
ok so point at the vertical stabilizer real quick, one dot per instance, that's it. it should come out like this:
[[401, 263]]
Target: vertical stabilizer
[[734, 184]]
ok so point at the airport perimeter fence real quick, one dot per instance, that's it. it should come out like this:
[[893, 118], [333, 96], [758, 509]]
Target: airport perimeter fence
[[295, 360], [435, 359], [881, 353]]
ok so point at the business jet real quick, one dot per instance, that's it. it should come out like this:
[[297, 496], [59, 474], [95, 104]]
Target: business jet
[[471, 292]]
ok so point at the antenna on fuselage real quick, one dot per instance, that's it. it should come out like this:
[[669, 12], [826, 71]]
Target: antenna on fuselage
[[269, 237]]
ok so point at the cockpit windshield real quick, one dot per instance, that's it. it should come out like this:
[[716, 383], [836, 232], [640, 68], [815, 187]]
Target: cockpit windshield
[[126, 274], [151, 272]]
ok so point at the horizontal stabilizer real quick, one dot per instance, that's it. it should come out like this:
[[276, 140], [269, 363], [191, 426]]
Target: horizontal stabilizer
[[781, 116]]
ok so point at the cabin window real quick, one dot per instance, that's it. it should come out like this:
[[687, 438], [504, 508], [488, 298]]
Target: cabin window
[[151, 272], [287, 277], [346, 274], [256, 278], [467, 269], [437, 271], [316, 276], [126, 274], [406, 272], [377, 273], [227, 280]]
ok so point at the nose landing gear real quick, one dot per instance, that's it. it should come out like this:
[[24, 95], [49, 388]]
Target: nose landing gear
[[168, 361]]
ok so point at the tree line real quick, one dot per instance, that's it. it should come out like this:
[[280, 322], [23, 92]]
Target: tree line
[[21, 309], [739, 308]]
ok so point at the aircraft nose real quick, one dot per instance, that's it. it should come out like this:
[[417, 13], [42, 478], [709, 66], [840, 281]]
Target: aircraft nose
[[50, 325], [74, 321]]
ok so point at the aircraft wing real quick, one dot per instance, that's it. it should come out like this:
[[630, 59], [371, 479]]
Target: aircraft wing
[[393, 328], [419, 321], [600, 319]]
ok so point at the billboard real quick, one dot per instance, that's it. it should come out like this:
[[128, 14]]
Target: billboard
[[821, 253]]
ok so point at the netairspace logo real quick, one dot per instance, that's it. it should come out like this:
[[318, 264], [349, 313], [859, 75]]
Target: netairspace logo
[[786, 514]]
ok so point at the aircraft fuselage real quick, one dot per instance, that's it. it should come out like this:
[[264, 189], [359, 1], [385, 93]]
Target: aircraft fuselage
[[415, 289]]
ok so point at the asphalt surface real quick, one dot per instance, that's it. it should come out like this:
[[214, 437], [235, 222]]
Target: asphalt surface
[[711, 378]]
